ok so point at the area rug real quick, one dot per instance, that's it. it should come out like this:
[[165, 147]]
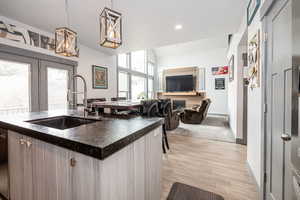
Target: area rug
[[212, 128], [180, 191]]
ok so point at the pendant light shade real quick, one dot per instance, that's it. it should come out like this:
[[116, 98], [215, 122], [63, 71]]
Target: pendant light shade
[[66, 39], [66, 42], [110, 28]]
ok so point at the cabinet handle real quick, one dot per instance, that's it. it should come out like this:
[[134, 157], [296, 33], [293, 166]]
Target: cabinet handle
[[73, 162], [22, 141]]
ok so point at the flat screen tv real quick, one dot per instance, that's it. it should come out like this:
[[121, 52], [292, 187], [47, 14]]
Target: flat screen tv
[[183, 83]]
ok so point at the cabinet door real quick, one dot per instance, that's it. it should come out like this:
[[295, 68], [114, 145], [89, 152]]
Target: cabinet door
[[20, 168], [85, 173], [51, 169], [153, 159]]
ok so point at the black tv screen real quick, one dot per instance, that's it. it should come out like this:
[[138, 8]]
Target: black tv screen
[[180, 83]]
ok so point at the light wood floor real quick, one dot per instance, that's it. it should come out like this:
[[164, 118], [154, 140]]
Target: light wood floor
[[214, 166]]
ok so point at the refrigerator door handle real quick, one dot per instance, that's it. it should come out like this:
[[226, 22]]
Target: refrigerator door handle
[[296, 187]]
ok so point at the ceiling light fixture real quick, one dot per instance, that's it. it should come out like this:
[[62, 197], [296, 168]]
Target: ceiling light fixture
[[110, 28], [178, 27], [66, 39]]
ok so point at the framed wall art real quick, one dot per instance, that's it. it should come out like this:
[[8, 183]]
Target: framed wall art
[[219, 70], [231, 68], [252, 10], [100, 77], [254, 61], [220, 84]]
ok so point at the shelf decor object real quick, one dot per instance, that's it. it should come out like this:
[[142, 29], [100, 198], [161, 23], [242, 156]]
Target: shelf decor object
[[66, 39], [110, 28], [252, 10]]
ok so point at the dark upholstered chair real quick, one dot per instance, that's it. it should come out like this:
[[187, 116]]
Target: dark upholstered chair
[[92, 100], [171, 116], [149, 108], [197, 114]]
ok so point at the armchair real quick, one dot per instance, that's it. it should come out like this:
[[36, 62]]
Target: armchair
[[197, 114]]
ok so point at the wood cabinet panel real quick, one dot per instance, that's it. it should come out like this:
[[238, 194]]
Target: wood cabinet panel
[[42, 171]]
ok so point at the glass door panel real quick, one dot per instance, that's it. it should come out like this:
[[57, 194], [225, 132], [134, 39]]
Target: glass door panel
[[57, 88], [15, 87]]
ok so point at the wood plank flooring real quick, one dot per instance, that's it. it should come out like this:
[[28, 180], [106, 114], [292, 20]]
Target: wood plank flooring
[[218, 167]]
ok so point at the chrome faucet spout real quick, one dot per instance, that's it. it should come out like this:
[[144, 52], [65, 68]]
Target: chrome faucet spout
[[85, 104]]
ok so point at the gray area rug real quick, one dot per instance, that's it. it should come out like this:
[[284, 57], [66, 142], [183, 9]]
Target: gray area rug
[[214, 127], [180, 191]]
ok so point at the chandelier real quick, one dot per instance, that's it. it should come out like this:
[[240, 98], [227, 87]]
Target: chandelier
[[110, 28], [66, 39]]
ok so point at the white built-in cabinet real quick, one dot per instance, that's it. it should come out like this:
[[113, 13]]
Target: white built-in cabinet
[[42, 171]]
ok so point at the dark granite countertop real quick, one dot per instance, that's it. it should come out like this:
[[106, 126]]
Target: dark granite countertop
[[99, 139]]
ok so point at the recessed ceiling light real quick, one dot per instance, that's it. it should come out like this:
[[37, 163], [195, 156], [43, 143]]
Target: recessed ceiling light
[[178, 27]]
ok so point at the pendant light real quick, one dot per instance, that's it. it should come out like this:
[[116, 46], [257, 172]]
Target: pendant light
[[66, 39], [110, 28]]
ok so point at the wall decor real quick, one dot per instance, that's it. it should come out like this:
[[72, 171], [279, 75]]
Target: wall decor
[[219, 70], [100, 77], [220, 84], [231, 68], [252, 10], [254, 61], [19, 34]]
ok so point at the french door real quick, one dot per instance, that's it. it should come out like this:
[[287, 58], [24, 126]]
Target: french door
[[18, 84], [55, 81], [28, 84]]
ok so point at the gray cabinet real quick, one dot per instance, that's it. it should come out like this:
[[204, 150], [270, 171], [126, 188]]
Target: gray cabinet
[[39, 170]]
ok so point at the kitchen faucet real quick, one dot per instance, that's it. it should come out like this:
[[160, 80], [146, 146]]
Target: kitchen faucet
[[85, 104]]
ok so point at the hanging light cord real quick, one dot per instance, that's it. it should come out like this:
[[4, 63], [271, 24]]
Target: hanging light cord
[[67, 12], [111, 4]]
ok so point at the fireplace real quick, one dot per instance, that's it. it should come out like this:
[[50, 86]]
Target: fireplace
[[178, 104]]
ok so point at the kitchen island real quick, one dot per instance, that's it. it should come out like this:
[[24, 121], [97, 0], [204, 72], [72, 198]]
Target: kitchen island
[[106, 159]]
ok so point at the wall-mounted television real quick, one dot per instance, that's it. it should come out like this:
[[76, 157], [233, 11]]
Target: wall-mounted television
[[184, 83]]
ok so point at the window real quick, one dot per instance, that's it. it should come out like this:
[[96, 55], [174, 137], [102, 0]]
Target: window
[[138, 61], [150, 89], [150, 69], [135, 81], [123, 84], [138, 88], [123, 60], [15, 87], [57, 88]]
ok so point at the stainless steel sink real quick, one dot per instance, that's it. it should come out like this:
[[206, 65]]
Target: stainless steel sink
[[63, 122]]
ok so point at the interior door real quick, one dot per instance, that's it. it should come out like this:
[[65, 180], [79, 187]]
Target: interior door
[[19, 84], [279, 93], [55, 81]]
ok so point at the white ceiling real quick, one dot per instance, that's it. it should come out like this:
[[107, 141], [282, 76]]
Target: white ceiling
[[146, 23]]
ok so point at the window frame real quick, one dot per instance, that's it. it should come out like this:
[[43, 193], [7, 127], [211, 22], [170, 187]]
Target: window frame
[[132, 72]]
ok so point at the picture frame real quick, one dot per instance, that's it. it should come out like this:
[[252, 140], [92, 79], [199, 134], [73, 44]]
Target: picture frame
[[231, 68], [219, 83], [252, 10], [254, 61], [100, 77]]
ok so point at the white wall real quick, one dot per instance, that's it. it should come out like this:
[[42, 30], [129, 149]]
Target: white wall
[[87, 58], [254, 118], [207, 59]]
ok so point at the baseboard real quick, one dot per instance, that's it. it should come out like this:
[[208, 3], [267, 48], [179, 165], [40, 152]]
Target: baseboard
[[253, 177], [218, 114]]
